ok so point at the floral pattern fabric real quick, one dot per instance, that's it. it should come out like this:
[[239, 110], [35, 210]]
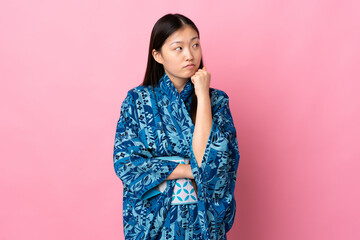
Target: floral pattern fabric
[[154, 123]]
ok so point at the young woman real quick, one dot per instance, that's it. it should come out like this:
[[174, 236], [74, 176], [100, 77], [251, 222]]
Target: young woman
[[176, 150]]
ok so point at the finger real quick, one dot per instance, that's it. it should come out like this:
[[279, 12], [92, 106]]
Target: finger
[[204, 68]]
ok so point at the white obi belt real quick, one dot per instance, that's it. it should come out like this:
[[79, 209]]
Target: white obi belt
[[184, 192]]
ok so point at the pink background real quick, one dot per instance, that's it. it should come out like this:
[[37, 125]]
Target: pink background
[[290, 68]]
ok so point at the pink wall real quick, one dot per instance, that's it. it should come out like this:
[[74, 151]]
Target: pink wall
[[291, 69]]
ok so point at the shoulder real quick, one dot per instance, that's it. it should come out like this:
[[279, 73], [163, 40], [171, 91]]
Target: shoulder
[[139, 90], [218, 97], [218, 93], [135, 92]]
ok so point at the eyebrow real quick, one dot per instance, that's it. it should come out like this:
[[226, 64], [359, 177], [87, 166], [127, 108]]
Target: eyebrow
[[182, 42]]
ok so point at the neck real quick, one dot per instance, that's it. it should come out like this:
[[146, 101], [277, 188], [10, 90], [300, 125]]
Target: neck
[[179, 83]]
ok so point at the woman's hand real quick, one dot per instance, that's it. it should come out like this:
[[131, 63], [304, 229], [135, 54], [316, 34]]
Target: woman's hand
[[181, 171], [203, 121], [201, 81]]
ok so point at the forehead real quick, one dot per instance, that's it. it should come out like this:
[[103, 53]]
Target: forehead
[[184, 34]]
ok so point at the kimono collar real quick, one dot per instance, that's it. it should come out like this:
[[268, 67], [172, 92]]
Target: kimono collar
[[169, 89]]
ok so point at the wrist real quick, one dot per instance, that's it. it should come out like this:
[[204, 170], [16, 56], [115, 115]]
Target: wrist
[[203, 95], [188, 172]]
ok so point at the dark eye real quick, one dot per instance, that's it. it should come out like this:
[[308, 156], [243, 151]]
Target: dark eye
[[196, 44], [177, 48]]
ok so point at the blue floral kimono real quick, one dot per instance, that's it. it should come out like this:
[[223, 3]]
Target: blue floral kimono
[[155, 123]]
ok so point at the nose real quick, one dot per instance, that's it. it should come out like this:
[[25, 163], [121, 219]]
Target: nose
[[188, 55]]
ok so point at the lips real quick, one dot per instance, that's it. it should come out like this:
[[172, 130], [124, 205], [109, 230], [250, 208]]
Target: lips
[[190, 65]]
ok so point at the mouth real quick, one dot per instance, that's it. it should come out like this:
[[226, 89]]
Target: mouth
[[190, 66]]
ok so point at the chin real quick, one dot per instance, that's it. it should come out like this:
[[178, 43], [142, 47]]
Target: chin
[[190, 74]]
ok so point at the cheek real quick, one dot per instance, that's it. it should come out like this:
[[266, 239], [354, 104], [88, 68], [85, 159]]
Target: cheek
[[199, 58], [172, 57], [169, 60], [175, 60], [197, 54]]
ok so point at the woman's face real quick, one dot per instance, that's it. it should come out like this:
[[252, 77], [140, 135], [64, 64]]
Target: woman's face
[[180, 49]]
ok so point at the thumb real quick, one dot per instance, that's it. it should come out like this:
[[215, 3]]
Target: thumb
[[204, 68]]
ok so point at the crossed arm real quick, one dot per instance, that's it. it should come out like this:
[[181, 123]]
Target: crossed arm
[[201, 134]]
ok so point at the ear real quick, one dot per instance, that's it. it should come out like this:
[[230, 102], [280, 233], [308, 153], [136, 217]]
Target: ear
[[157, 56]]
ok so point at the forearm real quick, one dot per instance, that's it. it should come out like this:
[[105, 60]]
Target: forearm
[[181, 171], [202, 128]]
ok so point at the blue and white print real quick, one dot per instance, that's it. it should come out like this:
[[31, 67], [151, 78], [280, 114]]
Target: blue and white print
[[155, 123], [183, 192]]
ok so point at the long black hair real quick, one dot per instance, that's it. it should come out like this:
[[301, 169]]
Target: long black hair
[[162, 29]]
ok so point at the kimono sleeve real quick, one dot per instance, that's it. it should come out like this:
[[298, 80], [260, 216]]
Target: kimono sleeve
[[138, 170], [216, 176]]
